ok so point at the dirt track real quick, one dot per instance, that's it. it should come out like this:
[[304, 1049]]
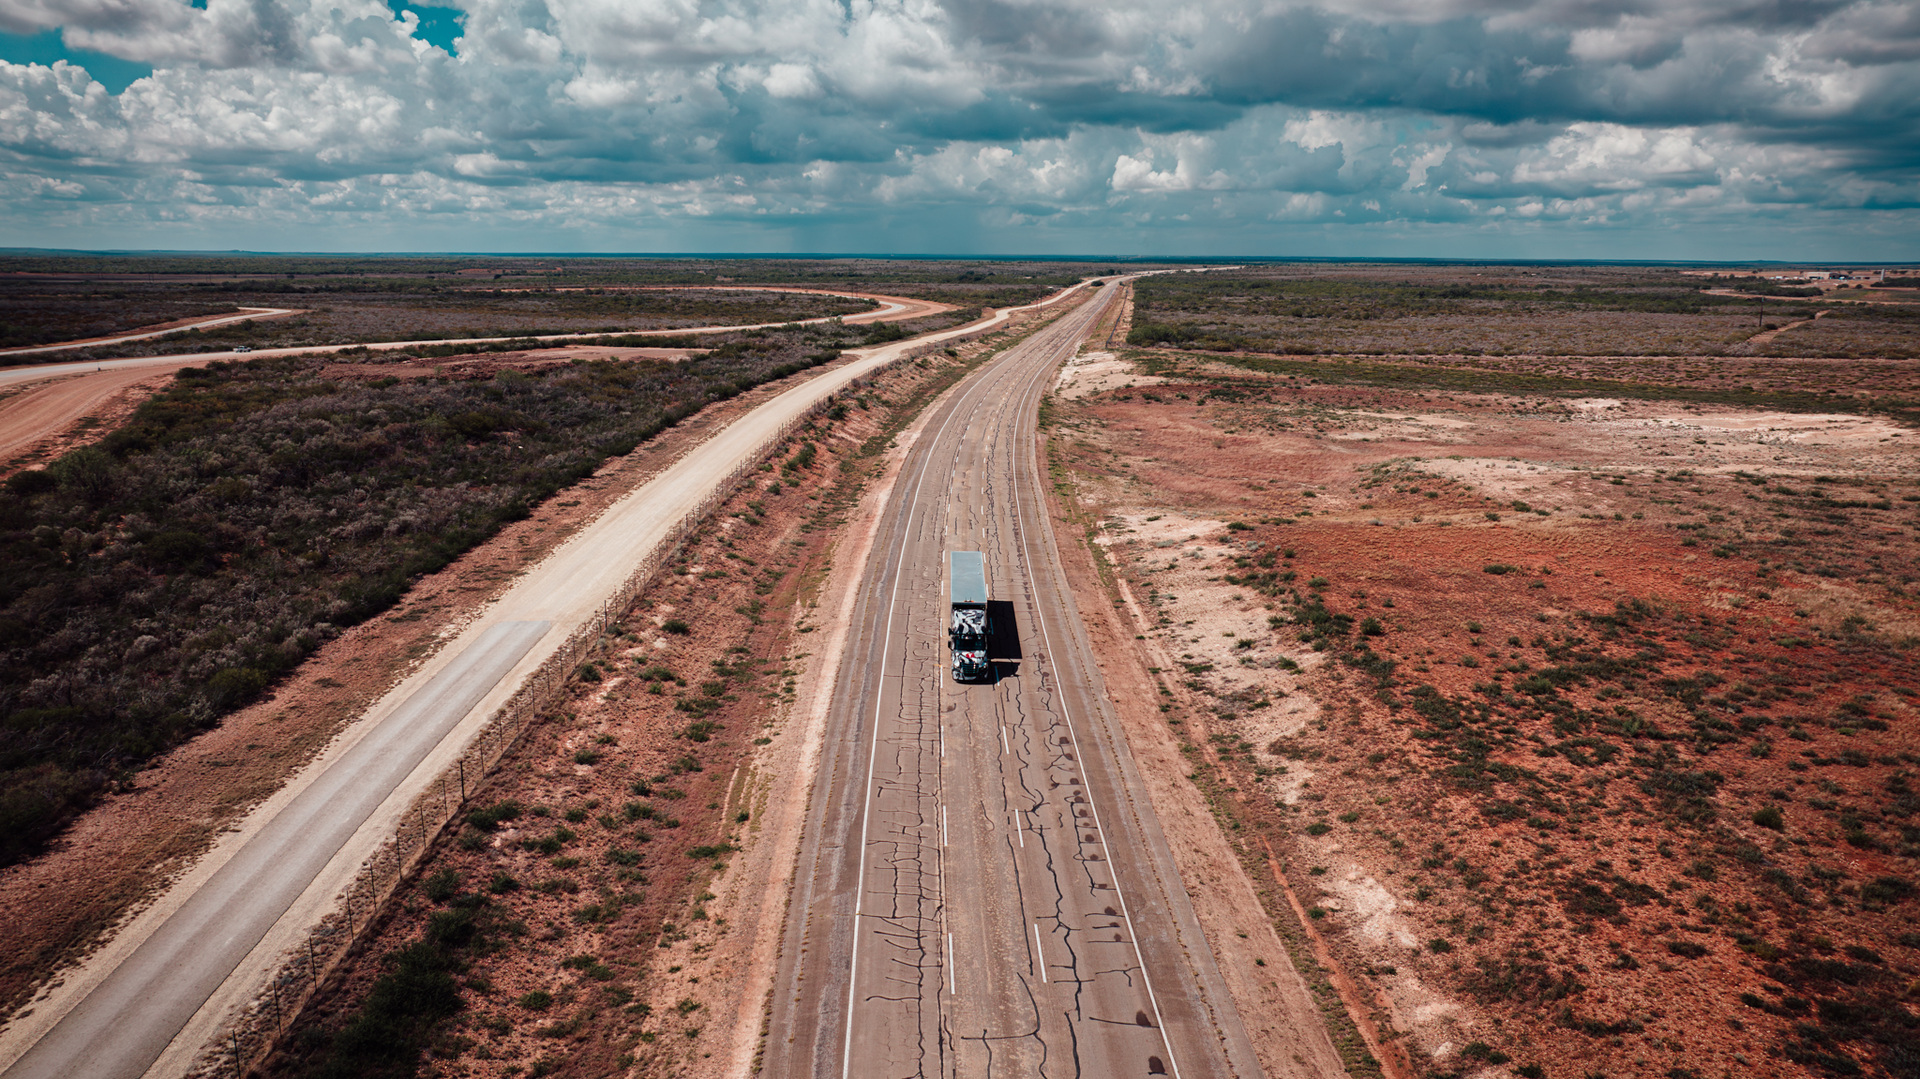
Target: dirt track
[[38, 422], [247, 314]]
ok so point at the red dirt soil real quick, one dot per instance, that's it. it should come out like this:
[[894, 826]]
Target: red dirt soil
[[1605, 911]]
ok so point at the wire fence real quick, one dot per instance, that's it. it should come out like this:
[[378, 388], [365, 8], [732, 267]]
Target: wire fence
[[248, 1037]]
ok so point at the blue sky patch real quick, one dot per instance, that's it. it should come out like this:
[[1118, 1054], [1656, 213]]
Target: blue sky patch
[[438, 25], [45, 47]]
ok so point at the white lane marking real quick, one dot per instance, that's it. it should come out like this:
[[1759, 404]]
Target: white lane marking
[[1039, 957], [1004, 748], [943, 829], [952, 991], [1080, 766], [1019, 828]]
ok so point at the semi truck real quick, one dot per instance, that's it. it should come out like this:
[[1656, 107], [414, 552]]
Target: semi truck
[[967, 626]]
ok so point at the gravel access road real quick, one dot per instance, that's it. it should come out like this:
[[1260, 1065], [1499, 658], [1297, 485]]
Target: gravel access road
[[246, 314], [163, 987], [983, 888], [75, 390]]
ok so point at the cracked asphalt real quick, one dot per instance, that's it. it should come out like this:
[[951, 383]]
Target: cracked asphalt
[[983, 888]]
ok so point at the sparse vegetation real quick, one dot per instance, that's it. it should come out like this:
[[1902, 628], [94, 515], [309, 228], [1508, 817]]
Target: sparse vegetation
[[169, 574]]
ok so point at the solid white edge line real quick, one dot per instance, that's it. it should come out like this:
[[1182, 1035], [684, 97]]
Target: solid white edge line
[[1039, 954], [1146, 979], [952, 989]]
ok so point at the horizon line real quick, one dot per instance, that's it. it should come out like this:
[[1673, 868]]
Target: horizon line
[[814, 256]]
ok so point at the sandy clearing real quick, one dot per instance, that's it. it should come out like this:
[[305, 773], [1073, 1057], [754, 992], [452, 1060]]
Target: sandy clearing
[[1275, 1004], [1098, 372], [1836, 428]]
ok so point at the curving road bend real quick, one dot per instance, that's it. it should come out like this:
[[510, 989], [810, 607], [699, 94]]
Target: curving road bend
[[246, 314], [76, 390], [892, 309], [981, 891]]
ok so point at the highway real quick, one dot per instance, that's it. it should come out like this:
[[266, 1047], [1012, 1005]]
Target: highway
[[982, 890], [164, 985], [123, 1028]]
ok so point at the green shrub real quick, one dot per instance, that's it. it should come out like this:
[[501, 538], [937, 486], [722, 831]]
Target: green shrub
[[1885, 891], [235, 686], [675, 626], [442, 885], [1770, 817], [1483, 1051], [35, 481], [490, 818]]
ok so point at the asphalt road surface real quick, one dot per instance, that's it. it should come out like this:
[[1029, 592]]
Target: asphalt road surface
[[981, 893], [118, 1032]]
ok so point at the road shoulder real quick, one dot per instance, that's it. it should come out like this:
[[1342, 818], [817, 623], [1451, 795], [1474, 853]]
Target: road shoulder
[[1275, 1004]]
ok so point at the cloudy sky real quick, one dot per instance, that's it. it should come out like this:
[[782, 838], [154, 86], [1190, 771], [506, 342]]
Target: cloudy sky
[[1702, 129]]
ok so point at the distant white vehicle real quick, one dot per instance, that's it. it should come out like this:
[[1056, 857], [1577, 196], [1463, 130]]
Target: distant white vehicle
[[243, 348]]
